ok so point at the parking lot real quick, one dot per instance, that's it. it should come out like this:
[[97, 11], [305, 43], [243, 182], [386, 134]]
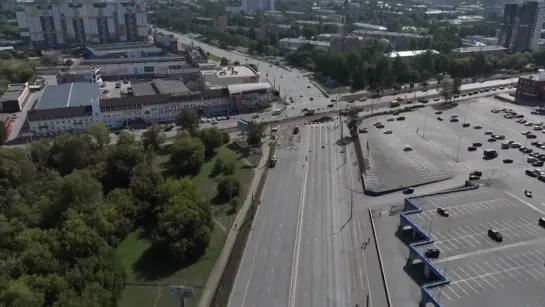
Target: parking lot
[[391, 166], [470, 215], [510, 277]]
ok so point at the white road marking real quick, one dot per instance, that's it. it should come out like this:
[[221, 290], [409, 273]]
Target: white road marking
[[253, 263], [295, 265]]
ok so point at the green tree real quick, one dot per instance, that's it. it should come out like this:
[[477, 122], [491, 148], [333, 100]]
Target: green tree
[[3, 133], [255, 133], [228, 187], [218, 166], [100, 134], [187, 155], [188, 119], [153, 137], [236, 63], [447, 90], [224, 62], [183, 229], [212, 139], [229, 168]]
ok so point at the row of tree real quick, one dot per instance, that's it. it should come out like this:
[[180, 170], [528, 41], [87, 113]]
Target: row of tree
[[370, 66], [65, 204]]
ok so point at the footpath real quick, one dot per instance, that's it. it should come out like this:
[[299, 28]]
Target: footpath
[[216, 281]]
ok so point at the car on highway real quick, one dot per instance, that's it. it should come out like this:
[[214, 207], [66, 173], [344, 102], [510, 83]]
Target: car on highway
[[439, 118], [495, 235], [443, 212], [407, 148], [477, 127], [388, 131], [432, 253], [401, 118]]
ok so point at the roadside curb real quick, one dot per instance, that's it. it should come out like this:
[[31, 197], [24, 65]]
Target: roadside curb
[[320, 88], [380, 260]]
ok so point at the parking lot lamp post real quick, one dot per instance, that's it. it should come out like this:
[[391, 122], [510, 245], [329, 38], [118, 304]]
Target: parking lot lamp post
[[424, 127], [458, 150]]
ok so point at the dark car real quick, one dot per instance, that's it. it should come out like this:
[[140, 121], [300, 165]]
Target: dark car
[[541, 222], [531, 136], [537, 164], [408, 191], [476, 173], [401, 118], [465, 125], [477, 144], [471, 148], [507, 161], [492, 140], [530, 173], [439, 118], [443, 212], [495, 235], [473, 177], [454, 120], [432, 253]]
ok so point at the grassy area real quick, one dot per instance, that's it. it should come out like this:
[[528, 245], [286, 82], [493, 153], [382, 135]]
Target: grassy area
[[148, 279], [214, 58]]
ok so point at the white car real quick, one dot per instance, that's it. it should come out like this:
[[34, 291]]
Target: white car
[[388, 132], [407, 148]]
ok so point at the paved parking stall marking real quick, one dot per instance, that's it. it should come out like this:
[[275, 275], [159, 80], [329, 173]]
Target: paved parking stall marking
[[468, 208]]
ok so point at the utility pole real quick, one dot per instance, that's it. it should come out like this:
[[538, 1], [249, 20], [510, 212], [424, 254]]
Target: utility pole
[[424, 127]]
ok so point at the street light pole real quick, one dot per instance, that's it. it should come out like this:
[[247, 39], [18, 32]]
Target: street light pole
[[424, 127]]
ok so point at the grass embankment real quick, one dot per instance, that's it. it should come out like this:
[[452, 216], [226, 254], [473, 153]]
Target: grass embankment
[[148, 278]]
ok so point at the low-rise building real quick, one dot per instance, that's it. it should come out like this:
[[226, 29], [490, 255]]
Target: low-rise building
[[74, 107], [292, 44], [398, 40], [369, 27], [122, 51], [344, 43], [15, 97], [91, 74], [230, 75], [488, 50], [166, 42], [409, 53], [531, 89]]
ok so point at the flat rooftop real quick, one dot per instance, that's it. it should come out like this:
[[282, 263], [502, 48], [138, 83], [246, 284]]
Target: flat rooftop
[[159, 86], [68, 95], [539, 77], [484, 48], [238, 71], [13, 92]]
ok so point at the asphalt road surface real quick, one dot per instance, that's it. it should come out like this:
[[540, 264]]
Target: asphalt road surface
[[304, 250]]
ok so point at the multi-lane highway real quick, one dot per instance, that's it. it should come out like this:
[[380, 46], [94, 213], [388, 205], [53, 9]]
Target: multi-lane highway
[[304, 250]]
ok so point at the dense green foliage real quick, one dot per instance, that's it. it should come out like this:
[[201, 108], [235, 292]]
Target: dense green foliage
[[371, 67], [66, 203]]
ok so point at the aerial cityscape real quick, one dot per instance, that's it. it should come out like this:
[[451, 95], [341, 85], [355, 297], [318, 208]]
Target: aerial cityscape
[[282, 153]]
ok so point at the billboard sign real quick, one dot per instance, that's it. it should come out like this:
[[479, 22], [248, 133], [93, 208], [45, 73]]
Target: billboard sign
[[242, 126]]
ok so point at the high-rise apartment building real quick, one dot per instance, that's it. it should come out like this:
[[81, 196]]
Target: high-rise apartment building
[[521, 26], [58, 25]]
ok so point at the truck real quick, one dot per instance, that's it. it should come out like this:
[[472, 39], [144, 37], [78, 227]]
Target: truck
[[272, 161]]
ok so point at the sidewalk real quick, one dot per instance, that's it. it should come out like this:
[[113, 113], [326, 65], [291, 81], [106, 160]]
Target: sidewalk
[[217, 271]]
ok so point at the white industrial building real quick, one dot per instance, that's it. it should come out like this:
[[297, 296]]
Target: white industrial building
[[53, 25]]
